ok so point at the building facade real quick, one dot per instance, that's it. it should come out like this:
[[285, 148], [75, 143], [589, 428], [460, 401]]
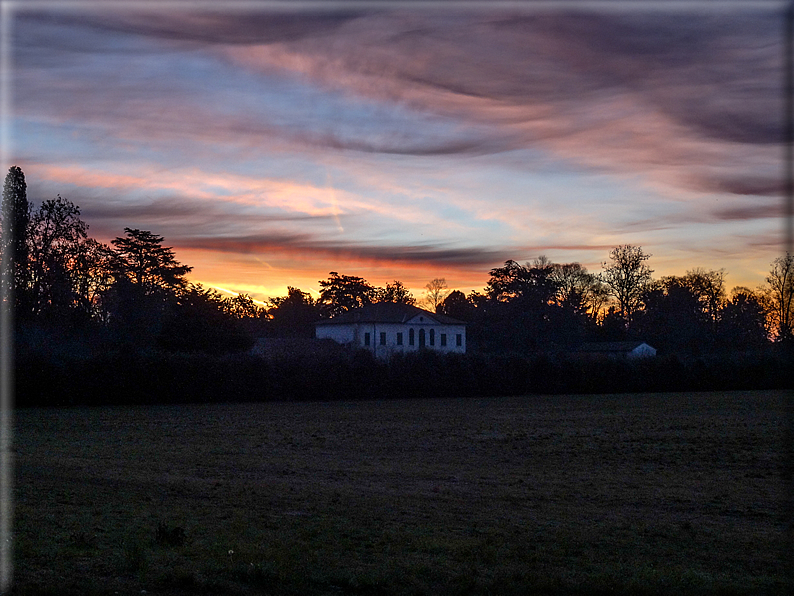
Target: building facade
[[386, 328]]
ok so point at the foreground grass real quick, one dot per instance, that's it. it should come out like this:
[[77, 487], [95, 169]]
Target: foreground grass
[[632, 494]]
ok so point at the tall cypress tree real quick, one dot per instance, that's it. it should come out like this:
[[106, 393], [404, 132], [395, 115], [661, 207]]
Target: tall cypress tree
[[16, 218]]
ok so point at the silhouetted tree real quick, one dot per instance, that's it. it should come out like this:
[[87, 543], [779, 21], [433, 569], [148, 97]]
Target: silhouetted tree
[[578, 290], [521, 314], [742, 322], [145, 262], [477, 299], [681, 312], [613, 326], [525, 286], [627, 276], [134, 317], [148, 280], [55, 240], [457, 306], [252, 317], [294, 315], [242, 306], [673, 318], [435, 292], [15, 214], [709, 288], [92, 274], [478, 332], [506, 283], [340, 293], [779, 294], [395, 292], [198, 322]]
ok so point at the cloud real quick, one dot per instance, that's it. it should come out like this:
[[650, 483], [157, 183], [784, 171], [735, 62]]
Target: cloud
[[226, 25], [184, 210], [669, 96], [750, 185], [439, 255], [751, 212], [184, 202], [439, 126], [426, 254], [213, 191], [662, 95], [701, 215]]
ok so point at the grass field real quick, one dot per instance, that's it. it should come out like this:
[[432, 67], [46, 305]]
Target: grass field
[[629, 494]]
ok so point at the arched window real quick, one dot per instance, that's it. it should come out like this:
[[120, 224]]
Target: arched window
[[432, 337], [411, 339], [421, 338]]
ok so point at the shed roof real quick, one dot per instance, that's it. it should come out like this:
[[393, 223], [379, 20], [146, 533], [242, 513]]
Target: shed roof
[[387, 312], [611, 346]]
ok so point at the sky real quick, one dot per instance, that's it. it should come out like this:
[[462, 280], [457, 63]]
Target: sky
[[271, 145]]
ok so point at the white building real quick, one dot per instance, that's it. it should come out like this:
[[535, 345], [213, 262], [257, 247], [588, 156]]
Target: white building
[[617, 349], [388, 327]]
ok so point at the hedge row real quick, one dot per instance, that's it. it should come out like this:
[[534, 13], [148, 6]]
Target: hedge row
[[160, 377]]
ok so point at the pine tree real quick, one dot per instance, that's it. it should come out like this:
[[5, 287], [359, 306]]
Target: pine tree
[[145, 262]]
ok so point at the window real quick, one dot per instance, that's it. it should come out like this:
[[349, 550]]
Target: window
[[411, 337], [432, 337], [443, 339], [382, 339], [459, 339], [366, 339], [421, 338], [400, 338]]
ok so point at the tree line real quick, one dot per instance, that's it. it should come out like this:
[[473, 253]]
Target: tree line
[[136, 293], [542, 307], [103, 323]]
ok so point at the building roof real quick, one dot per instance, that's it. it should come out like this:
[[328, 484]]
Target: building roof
[[611, 346], [387, 312]]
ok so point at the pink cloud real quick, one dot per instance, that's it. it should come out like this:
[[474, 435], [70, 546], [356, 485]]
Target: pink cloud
[[684, 117]]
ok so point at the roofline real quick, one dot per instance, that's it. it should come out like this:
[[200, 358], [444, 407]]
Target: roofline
[[438, 318], [333, 322]]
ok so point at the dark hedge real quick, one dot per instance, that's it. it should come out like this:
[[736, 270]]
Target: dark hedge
[[146, 377]]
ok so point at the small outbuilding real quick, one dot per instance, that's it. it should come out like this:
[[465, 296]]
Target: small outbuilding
[[386, 328], [617, 349]]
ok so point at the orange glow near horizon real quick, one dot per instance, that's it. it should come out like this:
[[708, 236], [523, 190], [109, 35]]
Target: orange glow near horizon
[[263, 280]]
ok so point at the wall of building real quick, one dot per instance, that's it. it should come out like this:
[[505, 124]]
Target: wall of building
[[342, 334], [368, 336]]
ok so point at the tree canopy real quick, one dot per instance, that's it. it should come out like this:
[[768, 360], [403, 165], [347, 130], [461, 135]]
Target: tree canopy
[[779, 294], [294, 315], [394, 292], [436, 290], [340, 293], [142, 259], [55, 237], [627, 276]]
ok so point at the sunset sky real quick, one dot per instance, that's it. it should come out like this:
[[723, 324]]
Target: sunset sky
[[272, 145]]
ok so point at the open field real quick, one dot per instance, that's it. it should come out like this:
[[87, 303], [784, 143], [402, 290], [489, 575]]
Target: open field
[[629, 494]]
